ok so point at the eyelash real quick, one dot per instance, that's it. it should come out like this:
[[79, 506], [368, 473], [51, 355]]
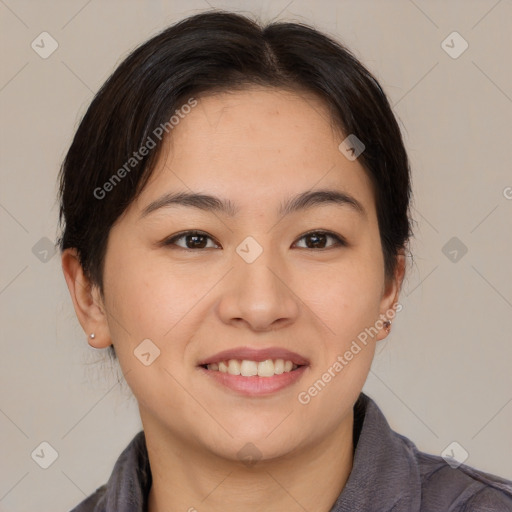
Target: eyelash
[[340, 242]]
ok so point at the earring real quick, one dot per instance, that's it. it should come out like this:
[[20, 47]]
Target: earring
[[92, 336], [387, 326]]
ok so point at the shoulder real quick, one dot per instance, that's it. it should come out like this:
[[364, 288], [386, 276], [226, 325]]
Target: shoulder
[[460, 489], [391, 474], [128, 485]]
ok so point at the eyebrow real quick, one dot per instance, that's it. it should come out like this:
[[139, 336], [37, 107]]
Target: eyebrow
[[303, 201]]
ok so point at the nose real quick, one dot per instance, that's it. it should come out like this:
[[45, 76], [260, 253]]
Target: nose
[[259, 295]]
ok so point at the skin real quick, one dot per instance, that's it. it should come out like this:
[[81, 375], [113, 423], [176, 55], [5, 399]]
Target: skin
[[255, 147]]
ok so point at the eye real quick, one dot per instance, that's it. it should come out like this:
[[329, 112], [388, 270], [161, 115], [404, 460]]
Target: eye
[[318, 239], [192, 240], [199, 240]]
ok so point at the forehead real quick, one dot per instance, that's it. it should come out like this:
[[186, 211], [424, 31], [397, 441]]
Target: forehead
[[254, 145], [257, 117]]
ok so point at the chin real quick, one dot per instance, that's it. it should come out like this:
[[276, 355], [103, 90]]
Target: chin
[[250, 451]]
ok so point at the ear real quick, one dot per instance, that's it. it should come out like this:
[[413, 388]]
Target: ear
[[87, 300], [391, 293]]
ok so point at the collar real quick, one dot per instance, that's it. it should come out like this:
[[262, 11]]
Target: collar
[[384, 476]]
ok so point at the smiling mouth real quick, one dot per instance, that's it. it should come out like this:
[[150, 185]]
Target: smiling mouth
[[249, 368]]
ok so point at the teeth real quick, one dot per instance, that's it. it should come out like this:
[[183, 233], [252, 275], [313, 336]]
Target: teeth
[[266, 368], [247, 368], [233, 367], [279, 366]]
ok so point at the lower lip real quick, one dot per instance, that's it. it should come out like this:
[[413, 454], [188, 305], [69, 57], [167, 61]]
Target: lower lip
[[256, 386]]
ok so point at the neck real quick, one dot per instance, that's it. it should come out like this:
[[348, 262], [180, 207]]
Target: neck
[[186, 478]]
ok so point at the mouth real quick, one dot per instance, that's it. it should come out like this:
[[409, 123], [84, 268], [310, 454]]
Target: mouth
[[248, 368], [255, 372]]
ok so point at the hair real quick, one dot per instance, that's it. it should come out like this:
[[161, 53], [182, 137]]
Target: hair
[[218, 51]]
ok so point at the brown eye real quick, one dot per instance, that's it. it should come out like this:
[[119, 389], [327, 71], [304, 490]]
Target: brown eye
[[319, 239], [191, 240]]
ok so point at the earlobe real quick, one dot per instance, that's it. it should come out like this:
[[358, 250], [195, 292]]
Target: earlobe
[[389, 303], [87, 301]]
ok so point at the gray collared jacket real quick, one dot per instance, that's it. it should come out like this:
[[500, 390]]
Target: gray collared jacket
[[389, 474]]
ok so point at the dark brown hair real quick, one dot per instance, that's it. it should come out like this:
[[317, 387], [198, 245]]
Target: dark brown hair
[[205, 53]]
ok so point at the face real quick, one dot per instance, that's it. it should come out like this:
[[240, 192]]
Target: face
[[252, 276]]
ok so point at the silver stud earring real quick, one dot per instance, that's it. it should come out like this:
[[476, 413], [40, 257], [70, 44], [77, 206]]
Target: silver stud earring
[[92, 336]]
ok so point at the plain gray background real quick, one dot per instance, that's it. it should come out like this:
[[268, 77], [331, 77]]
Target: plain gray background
[[443, 374]]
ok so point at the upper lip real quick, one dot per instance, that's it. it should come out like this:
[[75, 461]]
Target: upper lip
[[253, 354]]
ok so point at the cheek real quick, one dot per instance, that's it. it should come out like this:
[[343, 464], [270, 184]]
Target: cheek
[[146, 301], [141, 298], [349, 307], [144, 291], [347, 294]]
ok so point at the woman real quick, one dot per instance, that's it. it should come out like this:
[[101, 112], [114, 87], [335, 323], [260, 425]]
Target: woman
[[235, 211]]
